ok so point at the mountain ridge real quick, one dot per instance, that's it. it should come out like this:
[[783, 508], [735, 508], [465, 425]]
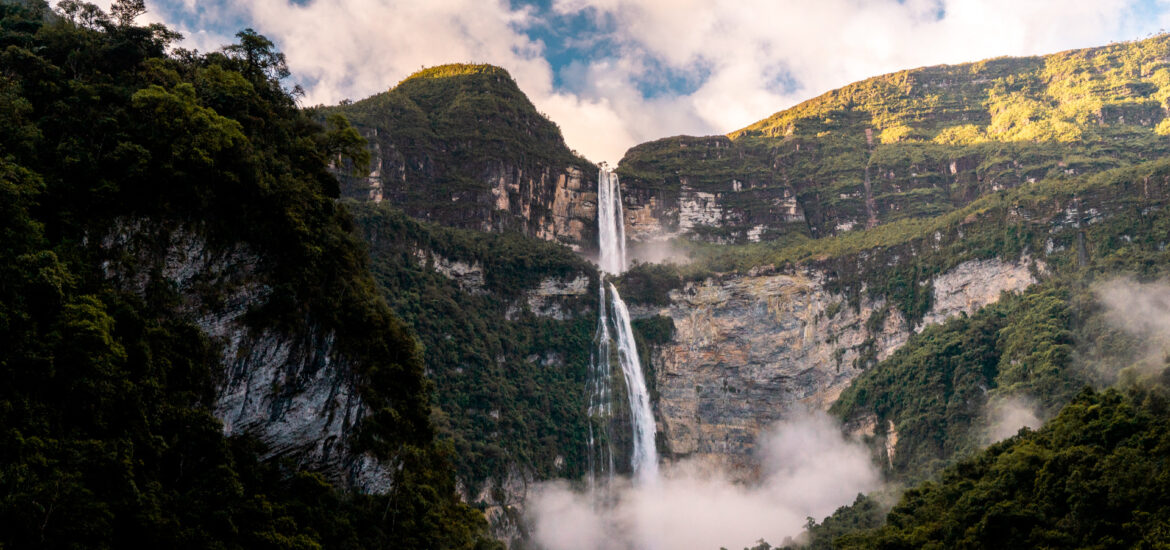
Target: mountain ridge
[[910, 144], [462, 145]]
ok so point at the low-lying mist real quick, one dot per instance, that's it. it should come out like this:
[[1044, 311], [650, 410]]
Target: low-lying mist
[[658, 252], [1141, 310], [808, 469], [1006, 416]]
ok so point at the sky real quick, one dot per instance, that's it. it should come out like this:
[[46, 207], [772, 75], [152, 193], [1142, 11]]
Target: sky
[[615, 73]]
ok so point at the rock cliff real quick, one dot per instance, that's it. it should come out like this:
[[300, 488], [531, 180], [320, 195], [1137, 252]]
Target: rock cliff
[[290, 388], [461, 145], [911, 144], [748, 348]]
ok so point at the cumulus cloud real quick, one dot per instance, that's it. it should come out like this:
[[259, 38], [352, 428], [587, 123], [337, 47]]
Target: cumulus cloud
[[740, 60], [763, 55], [808, 469]]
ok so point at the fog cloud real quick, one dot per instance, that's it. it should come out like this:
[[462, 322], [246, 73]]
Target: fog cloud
[[1142, 310], [1006, 416], [657, 252], [807, 469]]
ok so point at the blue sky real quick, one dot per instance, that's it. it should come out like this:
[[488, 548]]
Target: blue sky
[[614, 73]]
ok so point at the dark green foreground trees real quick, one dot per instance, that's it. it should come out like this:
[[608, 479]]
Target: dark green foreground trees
[[106, 435], [1096, 476]]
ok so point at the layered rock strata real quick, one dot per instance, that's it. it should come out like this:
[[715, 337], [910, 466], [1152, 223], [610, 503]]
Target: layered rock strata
[[748, 349]]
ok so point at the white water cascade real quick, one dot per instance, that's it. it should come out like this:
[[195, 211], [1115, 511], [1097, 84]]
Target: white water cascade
[[643, 454], [611, 233]]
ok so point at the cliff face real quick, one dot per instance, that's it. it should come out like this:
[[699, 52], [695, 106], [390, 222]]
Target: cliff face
[[749, 348], [506, 324], [706, 189], [729, 198], [462, 146], [290, 388], [551, 201]]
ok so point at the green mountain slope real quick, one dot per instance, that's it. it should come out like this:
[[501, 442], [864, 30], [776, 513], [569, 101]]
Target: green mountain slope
[[461, 145], [1095, 476], [109, 376], [912, 144], [506, 324]]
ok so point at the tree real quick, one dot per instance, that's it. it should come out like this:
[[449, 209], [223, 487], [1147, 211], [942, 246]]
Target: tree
[[126, 11], [259, 55]]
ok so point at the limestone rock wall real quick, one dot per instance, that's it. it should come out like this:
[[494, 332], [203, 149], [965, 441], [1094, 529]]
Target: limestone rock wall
[[552, 201], [291, 390], [555, 298], [972, 285], [749, 348], [736, 214]]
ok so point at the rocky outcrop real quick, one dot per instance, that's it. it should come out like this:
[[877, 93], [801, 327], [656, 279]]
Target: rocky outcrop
[[462, 145], [290, 389], [972, 285], [556, 203], [469, 276], [748, 349], [733, 198], [554, 298], [503, 504], [661, 215]]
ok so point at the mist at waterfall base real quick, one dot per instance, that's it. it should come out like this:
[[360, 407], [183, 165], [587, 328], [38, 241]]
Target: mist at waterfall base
[[808, 469], [807, 466]]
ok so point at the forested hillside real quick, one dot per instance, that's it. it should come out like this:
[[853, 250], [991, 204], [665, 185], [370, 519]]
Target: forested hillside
[[506, 323], [227, 321], [907, 145], [109, 376], [461, 145]]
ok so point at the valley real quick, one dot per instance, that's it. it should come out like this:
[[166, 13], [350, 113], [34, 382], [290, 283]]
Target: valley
[[924, 309]]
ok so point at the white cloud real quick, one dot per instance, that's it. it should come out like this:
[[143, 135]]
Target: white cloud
[[824, 44], [1005, 417], [744, 48], [808, 469], [1142, 310]]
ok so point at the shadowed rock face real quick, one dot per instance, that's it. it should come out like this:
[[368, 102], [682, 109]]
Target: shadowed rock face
[[290, 389], [554, 201], [461, 145], [748, 349]]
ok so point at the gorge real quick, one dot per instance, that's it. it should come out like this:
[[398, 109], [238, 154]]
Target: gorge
[[741, 336], [900, 314]]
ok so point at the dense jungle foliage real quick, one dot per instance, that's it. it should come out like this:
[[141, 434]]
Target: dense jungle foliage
[[107, 436], [1095, 476], [509, 382], [1041, 346]]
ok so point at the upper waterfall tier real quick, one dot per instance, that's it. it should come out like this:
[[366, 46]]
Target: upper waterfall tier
[[611, 233]]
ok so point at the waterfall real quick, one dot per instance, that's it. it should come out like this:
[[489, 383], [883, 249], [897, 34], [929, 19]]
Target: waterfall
[[612, 260], [611, 233], [644, 459], [600, 406]]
